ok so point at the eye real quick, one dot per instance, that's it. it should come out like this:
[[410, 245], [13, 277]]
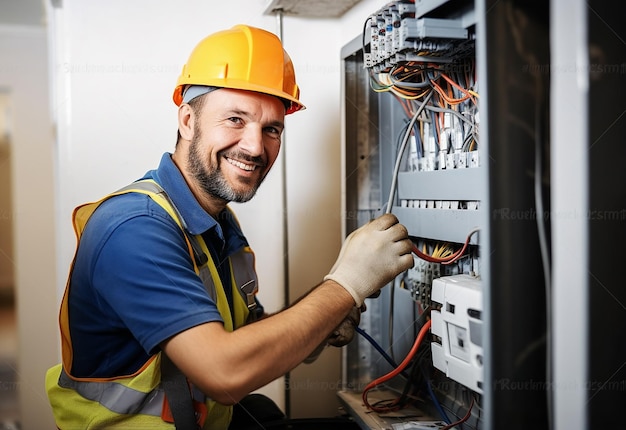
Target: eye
[[273, 131], [235, 120]]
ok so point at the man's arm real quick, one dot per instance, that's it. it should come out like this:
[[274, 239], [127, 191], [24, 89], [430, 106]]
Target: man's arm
[[229, 365]]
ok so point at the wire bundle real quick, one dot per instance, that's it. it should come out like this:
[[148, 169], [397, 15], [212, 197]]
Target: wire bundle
[[418, 353], [456, 96], [447, 258], [394, 405]]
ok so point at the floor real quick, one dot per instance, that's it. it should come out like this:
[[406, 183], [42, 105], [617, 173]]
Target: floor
[[9, 415]]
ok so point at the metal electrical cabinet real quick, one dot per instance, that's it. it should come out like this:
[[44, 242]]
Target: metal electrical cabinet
[[419, 86]]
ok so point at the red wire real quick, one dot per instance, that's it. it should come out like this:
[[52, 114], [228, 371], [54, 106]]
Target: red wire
[[462, 420], [444, 260], [396, 371]]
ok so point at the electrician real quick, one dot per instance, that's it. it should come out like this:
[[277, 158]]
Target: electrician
[[163, 284]]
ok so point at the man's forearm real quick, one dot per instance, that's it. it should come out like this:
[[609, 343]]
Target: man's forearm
[[227, 366]]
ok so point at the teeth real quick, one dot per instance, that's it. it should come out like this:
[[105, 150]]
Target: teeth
[[241, 165]]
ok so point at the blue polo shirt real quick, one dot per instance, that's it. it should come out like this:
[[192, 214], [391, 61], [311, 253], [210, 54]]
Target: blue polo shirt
[[133, 284]]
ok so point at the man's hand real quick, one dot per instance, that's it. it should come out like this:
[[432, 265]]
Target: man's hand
[[341, 336], [371, 257], [344, 333]]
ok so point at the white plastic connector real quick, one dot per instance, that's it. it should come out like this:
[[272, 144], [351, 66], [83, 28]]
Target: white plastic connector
[[472, 205], [458, 140], [429, 163], [450, 161], [443, 160], [458, 323], [461, 160], [474, 160], [413, 157]]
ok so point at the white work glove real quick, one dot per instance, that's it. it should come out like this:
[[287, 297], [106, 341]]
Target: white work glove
[[342, 335], [371, 257]]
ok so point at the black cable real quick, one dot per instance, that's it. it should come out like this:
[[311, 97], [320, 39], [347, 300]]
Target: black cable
[[363, 44], [413, 383]]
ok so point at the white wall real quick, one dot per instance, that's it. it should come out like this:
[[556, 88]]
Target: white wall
[[114, 68], [23, 72]]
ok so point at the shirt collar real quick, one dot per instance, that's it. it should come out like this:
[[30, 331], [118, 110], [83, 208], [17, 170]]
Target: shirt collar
[[198, 221], [171, 179]]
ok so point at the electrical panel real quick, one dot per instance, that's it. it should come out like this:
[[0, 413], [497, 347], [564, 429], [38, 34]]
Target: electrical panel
[[412, 148]]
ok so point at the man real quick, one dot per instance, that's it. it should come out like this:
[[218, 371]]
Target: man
[[163, 281]]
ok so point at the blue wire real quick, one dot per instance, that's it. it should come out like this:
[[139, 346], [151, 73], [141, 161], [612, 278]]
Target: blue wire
[[435, 400], [382, 352]]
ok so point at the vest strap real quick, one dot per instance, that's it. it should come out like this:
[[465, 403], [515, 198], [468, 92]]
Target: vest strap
[[200, 256], [178, 395]]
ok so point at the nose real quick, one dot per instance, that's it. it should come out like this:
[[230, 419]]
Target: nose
[[252, 140]]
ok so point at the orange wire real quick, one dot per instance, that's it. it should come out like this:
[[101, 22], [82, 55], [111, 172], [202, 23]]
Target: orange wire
[[460, 88], [449, 100]]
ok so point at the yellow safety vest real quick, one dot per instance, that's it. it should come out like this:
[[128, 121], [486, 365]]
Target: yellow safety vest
[[136, 401]]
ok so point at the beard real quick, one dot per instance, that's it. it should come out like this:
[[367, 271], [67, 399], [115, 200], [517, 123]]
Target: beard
[[212, 181]]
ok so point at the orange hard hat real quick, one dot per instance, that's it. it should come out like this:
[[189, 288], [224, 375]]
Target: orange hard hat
[[244, 58]]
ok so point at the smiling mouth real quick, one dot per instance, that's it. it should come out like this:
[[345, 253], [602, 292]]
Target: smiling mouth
[[241, 165]]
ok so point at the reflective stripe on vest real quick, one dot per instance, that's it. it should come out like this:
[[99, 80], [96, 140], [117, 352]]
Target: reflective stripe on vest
[[116, 397], [117, 394]]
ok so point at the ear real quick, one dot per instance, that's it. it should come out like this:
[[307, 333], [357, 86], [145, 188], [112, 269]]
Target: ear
[[186, 120]]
